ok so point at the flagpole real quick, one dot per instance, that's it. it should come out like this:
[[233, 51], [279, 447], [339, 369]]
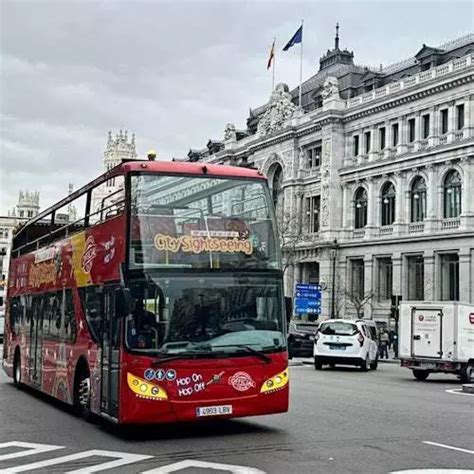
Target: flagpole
[[301, 63], [273, 70]]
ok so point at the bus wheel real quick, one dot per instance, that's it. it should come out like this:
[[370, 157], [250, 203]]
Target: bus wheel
[[17, 370], [82, 396]]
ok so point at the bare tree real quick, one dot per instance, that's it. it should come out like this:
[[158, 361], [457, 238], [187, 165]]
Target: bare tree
[[290, 233], [359, 301]]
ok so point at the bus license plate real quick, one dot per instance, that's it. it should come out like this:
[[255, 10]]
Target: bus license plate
[[215, 410]]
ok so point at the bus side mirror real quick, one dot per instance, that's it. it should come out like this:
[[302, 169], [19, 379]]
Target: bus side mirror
[[123, 302]]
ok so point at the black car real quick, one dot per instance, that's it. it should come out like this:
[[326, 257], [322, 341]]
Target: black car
[[301, 338]]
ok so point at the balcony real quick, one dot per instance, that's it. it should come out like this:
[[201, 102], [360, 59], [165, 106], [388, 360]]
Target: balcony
[[416, 227], [443, 140], [385, 230], [412, 81], [358, 234], [450, 223], [458, 135]]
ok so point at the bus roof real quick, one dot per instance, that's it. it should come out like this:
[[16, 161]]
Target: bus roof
[[146, 166]]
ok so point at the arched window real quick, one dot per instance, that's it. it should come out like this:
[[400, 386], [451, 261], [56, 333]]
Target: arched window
[[360, 208], [388, 204], [276, 183], [452, 194], [277, 188], [418, 199]]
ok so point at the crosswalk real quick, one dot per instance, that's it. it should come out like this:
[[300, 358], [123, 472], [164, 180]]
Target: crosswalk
[[14, 457]]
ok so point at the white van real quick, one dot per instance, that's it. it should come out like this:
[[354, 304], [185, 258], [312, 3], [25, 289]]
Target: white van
[[437, 337], [345, 342]]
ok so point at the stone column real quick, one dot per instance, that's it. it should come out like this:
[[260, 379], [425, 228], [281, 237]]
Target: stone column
[[369, 283], [432, 215], [418, 130], [289, 280], [374, 139], [467, 199], [388, 139], [433, 138], [344, 206], [372, 204], [397, 277], [451, 121], [400, 223], [325, 272], [465, 277], [403, 136], [469, 117], [430, 276], [300, 215], [297, 274]]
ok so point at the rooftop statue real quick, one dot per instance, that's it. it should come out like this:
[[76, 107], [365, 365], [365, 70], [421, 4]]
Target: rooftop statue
[[280, 109]]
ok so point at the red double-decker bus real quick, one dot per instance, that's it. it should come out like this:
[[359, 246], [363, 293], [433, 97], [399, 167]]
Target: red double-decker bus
[[153, 294]]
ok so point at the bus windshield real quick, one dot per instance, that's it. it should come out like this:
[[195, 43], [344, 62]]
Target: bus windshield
[[213, 314], [190, 222]]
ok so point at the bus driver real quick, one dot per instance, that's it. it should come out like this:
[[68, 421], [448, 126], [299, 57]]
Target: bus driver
[[141, 327]]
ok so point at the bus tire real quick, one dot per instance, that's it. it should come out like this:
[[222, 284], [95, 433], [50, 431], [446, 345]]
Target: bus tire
[[17, 369], [467, 372], [421, 374], [82, 392]]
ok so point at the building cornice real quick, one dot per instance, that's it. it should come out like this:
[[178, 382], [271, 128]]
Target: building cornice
[[404, 99]]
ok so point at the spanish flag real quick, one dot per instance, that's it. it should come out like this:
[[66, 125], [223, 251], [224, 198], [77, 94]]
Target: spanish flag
[[272, 56]]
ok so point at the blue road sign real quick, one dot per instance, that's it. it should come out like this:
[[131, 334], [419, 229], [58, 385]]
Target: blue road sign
[[307, 298], [308, 287], [308, 294]]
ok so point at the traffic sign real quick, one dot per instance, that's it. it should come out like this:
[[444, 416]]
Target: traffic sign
[[308, 287], [308, 294]]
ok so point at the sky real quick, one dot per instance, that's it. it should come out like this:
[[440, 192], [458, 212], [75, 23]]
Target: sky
[[173, 72]]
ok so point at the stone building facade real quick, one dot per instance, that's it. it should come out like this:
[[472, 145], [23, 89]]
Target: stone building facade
[[375, 173]]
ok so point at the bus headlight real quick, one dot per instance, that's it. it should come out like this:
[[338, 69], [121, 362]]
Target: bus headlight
[[277, 382], [144, 389]]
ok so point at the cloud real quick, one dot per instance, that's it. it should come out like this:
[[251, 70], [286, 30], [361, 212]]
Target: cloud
[[172, 72]]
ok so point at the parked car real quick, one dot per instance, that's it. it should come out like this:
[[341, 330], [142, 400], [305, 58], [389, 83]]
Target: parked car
[[345, 342], [301, 338]]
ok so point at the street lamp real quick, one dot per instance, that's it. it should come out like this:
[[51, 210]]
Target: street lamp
[[333, 253]]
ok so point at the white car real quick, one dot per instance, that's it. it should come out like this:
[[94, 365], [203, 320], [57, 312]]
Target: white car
[[345, 342]]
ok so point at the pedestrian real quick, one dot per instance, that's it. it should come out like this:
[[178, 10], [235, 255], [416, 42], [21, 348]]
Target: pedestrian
[[395, 344], [383, 347]]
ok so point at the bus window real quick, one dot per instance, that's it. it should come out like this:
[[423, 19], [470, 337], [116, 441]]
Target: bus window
[[69, 320], [92, 303]]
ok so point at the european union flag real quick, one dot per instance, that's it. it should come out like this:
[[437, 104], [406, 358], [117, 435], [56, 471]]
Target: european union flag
[[295, 39]]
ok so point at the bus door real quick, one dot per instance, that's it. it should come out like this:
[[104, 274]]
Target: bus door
[[110, 356], [36, 340]]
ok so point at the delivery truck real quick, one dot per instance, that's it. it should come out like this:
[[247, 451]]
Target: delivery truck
[[437, 337]]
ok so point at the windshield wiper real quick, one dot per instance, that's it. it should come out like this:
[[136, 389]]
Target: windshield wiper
[[250, 349], [182, 355]]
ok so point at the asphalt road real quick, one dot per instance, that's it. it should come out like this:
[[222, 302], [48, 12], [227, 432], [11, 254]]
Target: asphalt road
[[341, 421]]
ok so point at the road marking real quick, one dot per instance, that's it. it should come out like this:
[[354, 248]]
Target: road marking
[[124, 459], [457, 391], [203, 464], [31, 448], [434, 471], [454, 448]]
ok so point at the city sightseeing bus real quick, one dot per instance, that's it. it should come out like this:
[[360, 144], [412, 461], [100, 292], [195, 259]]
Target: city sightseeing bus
[[153, 294]]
